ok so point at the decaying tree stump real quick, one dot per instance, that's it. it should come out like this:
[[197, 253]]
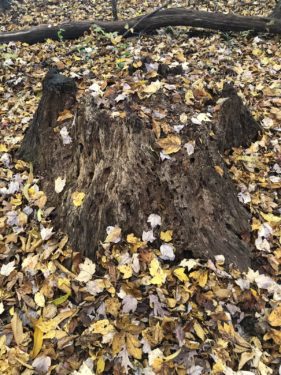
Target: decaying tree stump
[[116, 164]]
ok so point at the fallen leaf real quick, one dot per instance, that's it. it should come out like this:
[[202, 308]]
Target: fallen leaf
[[171, 144], [17, 329], [77, 198], [219, 170], [59, 184]]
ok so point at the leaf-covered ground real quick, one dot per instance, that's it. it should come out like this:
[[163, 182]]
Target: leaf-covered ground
[[134, 310]]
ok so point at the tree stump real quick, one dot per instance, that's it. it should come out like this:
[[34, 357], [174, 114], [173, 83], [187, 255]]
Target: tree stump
[[116, 164]]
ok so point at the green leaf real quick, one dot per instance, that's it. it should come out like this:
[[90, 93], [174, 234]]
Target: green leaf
[[60, 300]]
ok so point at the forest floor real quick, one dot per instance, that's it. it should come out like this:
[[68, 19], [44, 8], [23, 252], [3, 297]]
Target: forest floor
[[132, 311]]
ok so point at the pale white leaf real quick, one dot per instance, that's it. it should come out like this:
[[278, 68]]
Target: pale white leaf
[[66, 139], [95, 287], [46, 233], [244, 197], [59, 184], [243, 284], [87, 269], [41, 364], [129, 303], [164, 156], [190, 263], [124, 359], [6, 269], [154, 220], [148, 236], [190, 146], [262, 244], [178, 128], [167, 252], [2, 309]]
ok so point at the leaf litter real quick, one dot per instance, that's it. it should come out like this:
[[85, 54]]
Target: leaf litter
[[134, 310]]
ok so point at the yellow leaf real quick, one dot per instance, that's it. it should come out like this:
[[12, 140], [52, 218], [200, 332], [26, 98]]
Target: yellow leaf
[[17, 329], [218, 368], [219, 170], [37, 341], [172, 356], [166, 236], [55, 333], [100, 365], [179, 273], [170, 144], [257, 52], [116, 40], [39, 299], [53, 323], [133, 345], [271, 218], [199, 331], [132, 239], [126, 271], [200, 276], [3, 148], [189, 97], [153, 87], [274, 317], [171, 302], [77, 198], [158, 275], [17, 201], [102, 327]]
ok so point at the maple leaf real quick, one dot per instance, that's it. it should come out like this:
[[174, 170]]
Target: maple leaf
[[129, 304], [87, 269], [123, 356]]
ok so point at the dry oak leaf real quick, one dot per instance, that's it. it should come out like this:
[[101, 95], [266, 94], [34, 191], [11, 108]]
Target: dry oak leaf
[[170, 144], [274, 318]]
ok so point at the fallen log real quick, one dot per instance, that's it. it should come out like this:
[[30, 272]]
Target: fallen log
[[116, 164], [163, 18]]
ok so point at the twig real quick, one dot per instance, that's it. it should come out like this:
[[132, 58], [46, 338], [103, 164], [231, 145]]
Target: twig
[[147, 16]]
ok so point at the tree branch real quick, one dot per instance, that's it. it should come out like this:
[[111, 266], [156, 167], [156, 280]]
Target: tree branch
[[163, 18]]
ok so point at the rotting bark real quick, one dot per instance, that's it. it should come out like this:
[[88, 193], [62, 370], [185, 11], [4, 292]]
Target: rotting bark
[[116, 164], [163, 18]]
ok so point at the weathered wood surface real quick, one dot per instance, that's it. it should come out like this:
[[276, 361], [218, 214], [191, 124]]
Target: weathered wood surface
[[116, 164], [163, 18]]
